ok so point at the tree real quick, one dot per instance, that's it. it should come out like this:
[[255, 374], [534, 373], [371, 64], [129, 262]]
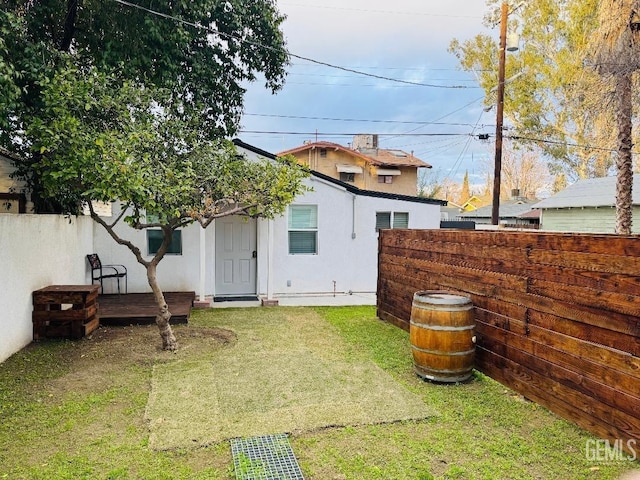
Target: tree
[[104, 138], [109, 101], [559, 183], [429, 183], [465, 192], [525, 171], [199, 52], [617, 45], [555, 103]]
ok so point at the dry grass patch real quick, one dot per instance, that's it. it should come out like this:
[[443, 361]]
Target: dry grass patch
[[288, 371]]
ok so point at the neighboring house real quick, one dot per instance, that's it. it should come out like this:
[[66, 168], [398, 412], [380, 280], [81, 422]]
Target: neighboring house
[[326, 241], [450, 211], [12, 197], [364, 166], [587, 206], [515, 212], [471, 204]]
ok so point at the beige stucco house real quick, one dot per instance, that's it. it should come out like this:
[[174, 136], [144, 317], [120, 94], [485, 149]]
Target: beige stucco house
[[364, 165], [12, 195]]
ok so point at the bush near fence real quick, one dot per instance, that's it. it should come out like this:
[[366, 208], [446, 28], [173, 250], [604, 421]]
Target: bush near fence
[[557, 315]]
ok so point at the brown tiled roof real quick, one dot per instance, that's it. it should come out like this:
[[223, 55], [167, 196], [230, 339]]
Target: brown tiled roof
[[379, 157], [396, 158]]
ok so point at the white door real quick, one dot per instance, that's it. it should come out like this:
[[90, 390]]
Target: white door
[[235, 256]]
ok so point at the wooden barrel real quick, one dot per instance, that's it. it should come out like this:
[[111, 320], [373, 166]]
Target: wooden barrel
[[442, 336]]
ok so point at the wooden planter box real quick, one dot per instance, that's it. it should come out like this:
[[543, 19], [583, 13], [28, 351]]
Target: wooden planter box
[[66, 311]]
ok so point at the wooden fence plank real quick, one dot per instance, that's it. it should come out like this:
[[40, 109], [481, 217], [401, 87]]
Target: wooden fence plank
[[558, 315], [579, 408], [613, 387], [627, 343], [612, 301]]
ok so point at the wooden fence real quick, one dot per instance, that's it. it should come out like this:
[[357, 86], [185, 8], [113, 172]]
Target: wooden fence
[[557, 315]]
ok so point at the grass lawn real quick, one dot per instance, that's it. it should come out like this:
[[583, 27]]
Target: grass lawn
[[74, 410]]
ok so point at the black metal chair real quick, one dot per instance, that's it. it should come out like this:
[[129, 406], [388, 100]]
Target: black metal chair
[[100, 272]]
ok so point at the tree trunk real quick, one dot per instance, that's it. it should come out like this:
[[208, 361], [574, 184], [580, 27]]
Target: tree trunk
[[169, 341], [624, 163]]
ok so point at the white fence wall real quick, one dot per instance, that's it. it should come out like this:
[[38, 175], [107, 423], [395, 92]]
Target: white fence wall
[[36, 251]]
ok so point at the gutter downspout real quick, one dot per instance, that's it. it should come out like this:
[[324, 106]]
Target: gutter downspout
[[353, 216]]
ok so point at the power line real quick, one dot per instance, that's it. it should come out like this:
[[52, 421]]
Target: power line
[[300, 117], [351, 134], [351, 76], [458, 161], [268, 47], [377, 67], [446, 115], [565, 144], [437, 151], [326, 84], [367, 10]]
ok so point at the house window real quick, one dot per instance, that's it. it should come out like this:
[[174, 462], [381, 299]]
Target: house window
[[303, 230], [347, 177], [400, 220], [385, 178], [154, 240], [323, 153], [13, 203], [392, 220]]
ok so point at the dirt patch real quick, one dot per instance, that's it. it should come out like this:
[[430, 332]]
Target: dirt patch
[[103, 359]]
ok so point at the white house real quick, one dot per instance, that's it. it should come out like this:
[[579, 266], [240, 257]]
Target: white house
[[326, 242]]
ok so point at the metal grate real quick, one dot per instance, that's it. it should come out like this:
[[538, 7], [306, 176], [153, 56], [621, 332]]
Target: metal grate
[[267, 457]]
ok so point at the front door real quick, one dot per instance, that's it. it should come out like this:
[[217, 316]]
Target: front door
[[235, 256]]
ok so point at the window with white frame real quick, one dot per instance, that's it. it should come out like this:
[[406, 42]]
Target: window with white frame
[[392, 220], [303, 229], [347, 177]]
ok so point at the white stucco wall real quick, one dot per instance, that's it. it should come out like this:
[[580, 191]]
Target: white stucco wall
[[176, 273], [36, 251], [351, 262]]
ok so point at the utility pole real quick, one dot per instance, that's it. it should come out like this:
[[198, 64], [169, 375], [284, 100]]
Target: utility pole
[[495, 209]]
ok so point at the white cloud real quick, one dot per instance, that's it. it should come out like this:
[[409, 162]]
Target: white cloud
[[360, 27], [405, 39]]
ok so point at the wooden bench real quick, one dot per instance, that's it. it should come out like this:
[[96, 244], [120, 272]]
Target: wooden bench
[[68, 311]]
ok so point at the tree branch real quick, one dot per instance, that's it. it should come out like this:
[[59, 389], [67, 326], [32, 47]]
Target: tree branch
[[122, 212], [121, 241], [206, 220]]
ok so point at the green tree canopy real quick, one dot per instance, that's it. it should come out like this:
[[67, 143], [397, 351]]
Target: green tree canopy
[[200, 53], [556, 104], [101, 137], [111, 100]]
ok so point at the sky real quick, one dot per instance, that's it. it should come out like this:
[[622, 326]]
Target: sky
[[406, 40]]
